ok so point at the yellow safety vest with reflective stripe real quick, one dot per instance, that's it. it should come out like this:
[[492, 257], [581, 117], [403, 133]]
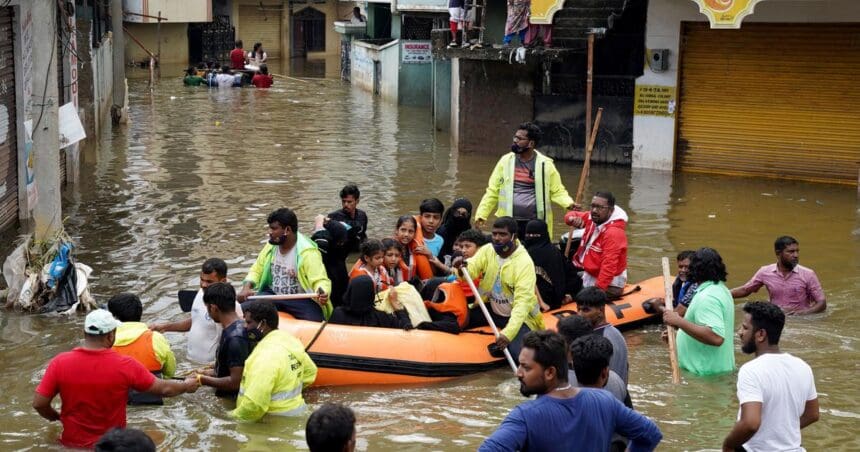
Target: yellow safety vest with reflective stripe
[[275, 374], [500, 189]]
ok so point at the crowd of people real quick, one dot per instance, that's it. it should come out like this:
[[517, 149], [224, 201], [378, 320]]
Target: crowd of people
[[243, 69], [516, 269], [461, 18]]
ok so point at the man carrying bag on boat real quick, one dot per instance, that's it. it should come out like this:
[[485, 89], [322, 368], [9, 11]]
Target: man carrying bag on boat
[[508, 284]]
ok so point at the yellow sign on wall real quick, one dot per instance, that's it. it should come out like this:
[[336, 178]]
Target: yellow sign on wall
[[542, 11], [726, 13], [654, 100]]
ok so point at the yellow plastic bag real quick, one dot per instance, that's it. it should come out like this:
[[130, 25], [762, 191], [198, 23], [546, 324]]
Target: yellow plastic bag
[[410, 299]]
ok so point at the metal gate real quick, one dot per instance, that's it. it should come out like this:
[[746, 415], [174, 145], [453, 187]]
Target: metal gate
[[772, 100], [8, 125]]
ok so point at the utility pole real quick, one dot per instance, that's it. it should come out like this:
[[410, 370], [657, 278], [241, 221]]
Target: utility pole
[[47, 212], [118, 111]]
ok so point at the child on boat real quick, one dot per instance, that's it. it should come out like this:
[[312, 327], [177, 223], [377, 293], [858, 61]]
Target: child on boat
[[447, 304], [359, 309], [404, 233], [371, 264], [393, 261], [428, 244]]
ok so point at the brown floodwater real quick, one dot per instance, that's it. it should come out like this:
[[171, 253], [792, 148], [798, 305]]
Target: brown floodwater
[[196, 172]]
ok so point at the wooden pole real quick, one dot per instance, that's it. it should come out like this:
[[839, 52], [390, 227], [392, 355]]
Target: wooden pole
[[487, 316], [583, 176], [295, 296], [158, 41], [673, 353], [589, 82]]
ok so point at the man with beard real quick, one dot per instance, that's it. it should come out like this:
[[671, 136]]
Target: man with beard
[[507, 286], [791, 286], [523, 184], [564, 417], [289, 264], [776, 391], [602, 253]]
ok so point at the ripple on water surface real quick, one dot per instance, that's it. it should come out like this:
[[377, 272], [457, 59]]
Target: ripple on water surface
[[195, 176]]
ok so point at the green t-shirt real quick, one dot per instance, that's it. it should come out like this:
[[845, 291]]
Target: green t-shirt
[[712, 306], [192, 80]]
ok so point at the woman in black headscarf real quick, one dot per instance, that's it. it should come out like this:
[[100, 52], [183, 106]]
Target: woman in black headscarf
[[455, 220], [549, 263], [358, 307]]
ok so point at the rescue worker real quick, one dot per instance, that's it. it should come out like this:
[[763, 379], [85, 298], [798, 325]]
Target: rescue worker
[[277, 370], [136, 340], [524, 184], [290, 263], [507, 286]]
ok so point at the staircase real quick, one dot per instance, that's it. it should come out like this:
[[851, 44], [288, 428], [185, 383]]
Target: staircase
[[577, 18]]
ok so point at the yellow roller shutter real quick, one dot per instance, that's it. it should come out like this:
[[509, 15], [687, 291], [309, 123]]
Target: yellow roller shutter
[[774, 100], [261, 23]]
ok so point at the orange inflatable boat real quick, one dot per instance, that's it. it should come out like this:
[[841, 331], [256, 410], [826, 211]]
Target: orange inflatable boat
[[351, 355]]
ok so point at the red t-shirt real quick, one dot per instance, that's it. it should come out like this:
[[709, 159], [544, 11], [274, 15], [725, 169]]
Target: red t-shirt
[[93, 385], [237, 57], [262, 81]]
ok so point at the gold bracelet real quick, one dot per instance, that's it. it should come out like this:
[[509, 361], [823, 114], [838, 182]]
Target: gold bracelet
[[199, 379]]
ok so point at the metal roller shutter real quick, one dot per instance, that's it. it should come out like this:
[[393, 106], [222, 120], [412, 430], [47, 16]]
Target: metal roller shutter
[[261, 23], [773, 100], [8, 125]]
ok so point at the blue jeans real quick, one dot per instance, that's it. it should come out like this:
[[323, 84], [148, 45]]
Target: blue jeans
[[306, 309], [522, 35]]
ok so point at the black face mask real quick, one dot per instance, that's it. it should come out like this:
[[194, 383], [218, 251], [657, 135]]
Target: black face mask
[[518, 150]]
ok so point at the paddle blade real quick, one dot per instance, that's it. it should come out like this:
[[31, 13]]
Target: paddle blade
[[186, 299]]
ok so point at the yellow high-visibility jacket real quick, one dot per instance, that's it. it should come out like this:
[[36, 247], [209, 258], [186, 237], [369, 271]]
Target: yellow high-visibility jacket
[[500, 189], [518, 280], [309, 267], [275, 374]]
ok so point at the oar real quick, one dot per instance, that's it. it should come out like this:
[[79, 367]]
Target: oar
[[487, 316], [583, 176], [673, 355], [289, 78], [292, 296]]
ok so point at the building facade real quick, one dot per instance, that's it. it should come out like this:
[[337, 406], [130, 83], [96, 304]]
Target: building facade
[[753, 88], [82, 56]]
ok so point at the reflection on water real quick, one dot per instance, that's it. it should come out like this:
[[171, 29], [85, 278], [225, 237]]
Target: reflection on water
[[196, 172]]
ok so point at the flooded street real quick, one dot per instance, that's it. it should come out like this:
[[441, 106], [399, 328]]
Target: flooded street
[[196, 172]]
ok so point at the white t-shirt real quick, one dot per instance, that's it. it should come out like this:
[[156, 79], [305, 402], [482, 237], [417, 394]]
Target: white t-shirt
[[225, 80], [204, 333], [285, 278], [783, 384], [500, 303]]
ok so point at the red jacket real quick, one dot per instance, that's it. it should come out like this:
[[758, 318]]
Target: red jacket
[[606, 258]]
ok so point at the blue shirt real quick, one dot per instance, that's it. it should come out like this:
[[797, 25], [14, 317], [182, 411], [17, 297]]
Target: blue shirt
[[583, 422], [434, 245]]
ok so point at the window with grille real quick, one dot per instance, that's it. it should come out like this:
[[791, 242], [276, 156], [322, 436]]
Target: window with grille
[[416, 28]]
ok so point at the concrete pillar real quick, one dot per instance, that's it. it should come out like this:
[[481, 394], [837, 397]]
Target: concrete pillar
[[119, 110], [47, 214]]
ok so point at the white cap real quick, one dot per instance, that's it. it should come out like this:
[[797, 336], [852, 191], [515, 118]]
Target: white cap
[[100, 321]]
